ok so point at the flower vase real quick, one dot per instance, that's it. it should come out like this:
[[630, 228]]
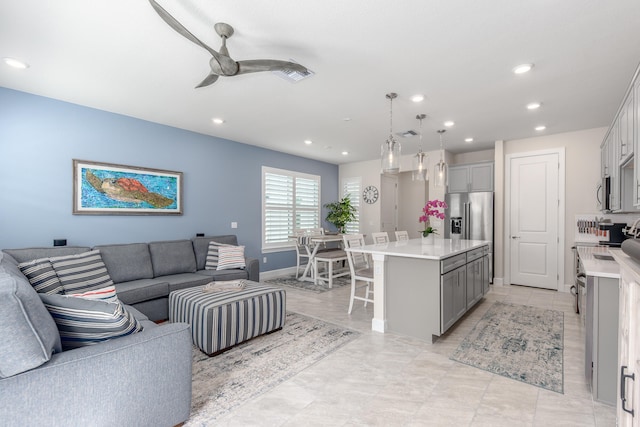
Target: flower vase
[[428, 239]]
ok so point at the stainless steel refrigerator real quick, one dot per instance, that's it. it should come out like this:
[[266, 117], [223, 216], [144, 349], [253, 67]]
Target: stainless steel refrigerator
[[470, 216]]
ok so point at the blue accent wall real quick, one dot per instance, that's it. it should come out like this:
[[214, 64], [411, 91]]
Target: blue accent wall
[[222, 179]]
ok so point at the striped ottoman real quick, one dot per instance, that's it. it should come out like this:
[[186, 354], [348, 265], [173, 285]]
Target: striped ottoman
[[220, 320]]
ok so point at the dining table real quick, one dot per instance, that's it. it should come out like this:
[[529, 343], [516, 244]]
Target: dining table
[[312, 244]]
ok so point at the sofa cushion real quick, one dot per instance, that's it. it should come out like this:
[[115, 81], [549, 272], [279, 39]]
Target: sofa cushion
[[201, 246], [185, 280], [212, 255], [81, 273], [127, 262], [218, 275], [42, 276], [140, 290], [82, 322], [230, 257], [172, 257], [28, 254], [29, 335]]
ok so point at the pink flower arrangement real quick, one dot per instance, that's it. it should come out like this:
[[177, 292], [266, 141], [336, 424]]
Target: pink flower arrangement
[[431, 209]]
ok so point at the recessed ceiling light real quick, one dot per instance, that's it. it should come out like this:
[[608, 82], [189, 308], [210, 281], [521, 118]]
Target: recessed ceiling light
[[533, 105], [417, 98], [541, 127], [15, 63], [308, 141], [522, 68], [345, 153], [217, 121], [347, 119], [449, 123], [468, 140]]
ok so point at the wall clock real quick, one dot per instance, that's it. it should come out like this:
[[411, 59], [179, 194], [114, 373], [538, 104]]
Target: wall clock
[[370, 194]]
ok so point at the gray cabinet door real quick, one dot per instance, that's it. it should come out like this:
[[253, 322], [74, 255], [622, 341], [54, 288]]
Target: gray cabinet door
[[454, 303], [474, 282], [485, 274], [458, 179], [481, 177]]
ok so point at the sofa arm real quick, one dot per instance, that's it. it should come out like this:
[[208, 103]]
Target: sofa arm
[[253, 269], [142, 379]]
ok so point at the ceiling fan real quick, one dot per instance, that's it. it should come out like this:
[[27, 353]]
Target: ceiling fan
[[221, 63]]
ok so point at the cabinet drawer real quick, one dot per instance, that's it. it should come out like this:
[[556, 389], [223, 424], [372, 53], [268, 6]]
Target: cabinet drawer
[[475, 254], [452, 263]]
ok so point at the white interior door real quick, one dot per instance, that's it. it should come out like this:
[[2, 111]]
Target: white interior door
[[534, 220], [389, 204]]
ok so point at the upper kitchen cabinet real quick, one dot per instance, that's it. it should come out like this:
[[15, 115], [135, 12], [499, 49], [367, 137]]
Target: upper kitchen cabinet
[[470, 177], [619, 154]]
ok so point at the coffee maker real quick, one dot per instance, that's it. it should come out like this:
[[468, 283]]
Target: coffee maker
[[615, 232]]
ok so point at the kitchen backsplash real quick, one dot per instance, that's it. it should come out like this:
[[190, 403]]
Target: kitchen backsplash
[[586, 226]]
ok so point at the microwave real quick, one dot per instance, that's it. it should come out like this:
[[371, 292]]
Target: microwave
[[604, 194]]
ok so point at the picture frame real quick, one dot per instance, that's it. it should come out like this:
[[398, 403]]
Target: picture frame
[[112, 189]]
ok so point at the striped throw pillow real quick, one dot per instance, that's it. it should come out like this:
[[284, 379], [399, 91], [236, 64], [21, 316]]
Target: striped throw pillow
[[212, 255], [83, 322], [81, 273], [107, 294], [230, 257], [42, 276]]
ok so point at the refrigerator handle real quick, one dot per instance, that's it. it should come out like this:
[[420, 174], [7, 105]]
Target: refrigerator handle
[[467, 220]]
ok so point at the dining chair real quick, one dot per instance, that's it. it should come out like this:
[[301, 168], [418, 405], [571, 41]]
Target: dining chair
[[401, 236], [302, 251], [380, 237], [360, 267]]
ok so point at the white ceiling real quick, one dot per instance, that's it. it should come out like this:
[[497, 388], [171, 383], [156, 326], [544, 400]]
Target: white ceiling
[[119, 56]]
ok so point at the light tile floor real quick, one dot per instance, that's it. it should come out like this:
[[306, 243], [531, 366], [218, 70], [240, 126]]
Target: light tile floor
[[392, 380]]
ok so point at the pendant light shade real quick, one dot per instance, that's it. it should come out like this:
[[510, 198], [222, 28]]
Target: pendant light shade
[[440, 171], [391, 147], [420, 160]]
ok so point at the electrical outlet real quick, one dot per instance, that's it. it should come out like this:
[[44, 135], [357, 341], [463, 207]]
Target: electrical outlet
[[234, 225], [264, 260]]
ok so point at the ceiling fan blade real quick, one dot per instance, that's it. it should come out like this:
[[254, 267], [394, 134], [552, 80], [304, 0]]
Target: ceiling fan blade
[[178, 27], [257, 65], [210, 79]]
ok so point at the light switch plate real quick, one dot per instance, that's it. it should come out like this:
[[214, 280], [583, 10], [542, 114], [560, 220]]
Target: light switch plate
[[234, 225]]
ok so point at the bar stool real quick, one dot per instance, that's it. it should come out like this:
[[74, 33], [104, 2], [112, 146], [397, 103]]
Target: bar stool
[[361, 269], [402, 236]]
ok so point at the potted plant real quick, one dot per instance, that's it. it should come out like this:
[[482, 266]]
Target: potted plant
[[340, 213], [431, 209]]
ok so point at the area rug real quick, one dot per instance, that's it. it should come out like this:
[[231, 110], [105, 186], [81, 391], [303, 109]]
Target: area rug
[[292, 282], [519, 342], [224, 382]]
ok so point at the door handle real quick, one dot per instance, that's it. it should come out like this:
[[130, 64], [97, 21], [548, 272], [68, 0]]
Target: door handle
[[515, 237], [623, 388]]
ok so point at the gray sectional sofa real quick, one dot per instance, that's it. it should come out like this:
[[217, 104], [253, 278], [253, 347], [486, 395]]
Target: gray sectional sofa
[[142, 379], [145, 273]]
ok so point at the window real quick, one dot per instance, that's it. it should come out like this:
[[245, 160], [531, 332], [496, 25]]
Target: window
[[352, 187], [290, 200]]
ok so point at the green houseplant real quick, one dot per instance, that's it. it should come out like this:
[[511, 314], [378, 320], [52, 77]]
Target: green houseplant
[[340, 213]]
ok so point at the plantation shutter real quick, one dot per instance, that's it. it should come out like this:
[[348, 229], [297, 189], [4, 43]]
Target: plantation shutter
[[291, 200], [352, 187]]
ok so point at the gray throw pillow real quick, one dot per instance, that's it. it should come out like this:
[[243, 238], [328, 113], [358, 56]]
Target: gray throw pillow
[[81, 273], [42, 276]]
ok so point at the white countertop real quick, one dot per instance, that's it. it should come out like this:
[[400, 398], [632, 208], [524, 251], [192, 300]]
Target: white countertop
[[598, 267], [441, 248]]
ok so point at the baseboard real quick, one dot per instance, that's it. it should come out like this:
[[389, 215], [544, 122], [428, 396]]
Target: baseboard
[[498, 281], [274, 274]]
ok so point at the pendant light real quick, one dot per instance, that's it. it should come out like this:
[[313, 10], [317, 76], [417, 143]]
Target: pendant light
[[420, 160], [440, 172], [391, 147]]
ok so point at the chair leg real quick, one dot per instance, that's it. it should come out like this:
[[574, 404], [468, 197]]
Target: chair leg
[[330, 274], [297, 267], [353, 294], [366, 294]]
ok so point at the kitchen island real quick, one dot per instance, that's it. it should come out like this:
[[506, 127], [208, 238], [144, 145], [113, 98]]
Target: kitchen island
[[421, 290]]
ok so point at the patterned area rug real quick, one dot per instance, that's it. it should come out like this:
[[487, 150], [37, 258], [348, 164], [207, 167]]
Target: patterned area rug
[[292, 282], [224, 382], [519, 342]]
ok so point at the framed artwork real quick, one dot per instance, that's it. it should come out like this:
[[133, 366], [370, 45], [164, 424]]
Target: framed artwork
[[108, 189]]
